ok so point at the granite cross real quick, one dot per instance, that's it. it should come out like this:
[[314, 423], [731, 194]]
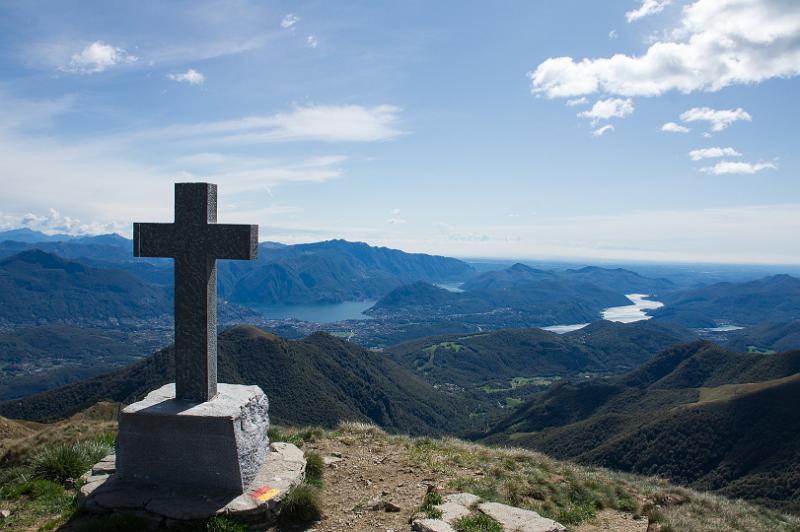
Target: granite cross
[[195, 241]]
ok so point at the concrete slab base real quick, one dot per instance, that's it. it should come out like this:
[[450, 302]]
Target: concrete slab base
[[283, 469]]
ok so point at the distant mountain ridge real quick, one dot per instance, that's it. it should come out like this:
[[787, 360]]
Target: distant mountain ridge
[[323, 272], [520, 296], [39, 287], [771, 299]]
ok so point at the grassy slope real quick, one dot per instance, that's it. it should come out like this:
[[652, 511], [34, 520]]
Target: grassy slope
[[692, 414], [401, 467]]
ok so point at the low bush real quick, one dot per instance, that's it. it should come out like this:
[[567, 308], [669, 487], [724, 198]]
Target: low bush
[[60, 462], [315, 468], [302, 505], [477, 523]]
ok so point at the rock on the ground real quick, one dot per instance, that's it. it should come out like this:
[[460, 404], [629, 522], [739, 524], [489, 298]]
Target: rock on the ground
[[452, 511], [464, 499], [431, 525], [518, 519]]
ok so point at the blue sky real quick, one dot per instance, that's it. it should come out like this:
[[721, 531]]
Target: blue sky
[[513, 129]]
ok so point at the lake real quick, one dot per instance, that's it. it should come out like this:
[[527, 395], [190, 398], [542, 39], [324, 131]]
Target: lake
[[623, 314], [318, 312]]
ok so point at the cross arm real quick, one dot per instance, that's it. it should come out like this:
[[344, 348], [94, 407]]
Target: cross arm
[[233, 241], [153, 240]]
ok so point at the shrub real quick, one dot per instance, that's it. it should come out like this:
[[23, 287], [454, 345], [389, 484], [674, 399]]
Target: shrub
[[60, 462], [301, 505], [432, 499], [477, 523], [315, 468]]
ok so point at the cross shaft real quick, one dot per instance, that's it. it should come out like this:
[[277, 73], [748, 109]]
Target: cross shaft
[[195, 241]]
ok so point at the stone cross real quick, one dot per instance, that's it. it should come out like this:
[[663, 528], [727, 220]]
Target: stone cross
[[195, 241]]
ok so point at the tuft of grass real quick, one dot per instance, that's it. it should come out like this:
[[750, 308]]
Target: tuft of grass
[[34, 490], [225, 524], [63, 461], [278, 434], [364, 431], [315, 468], [432, 499], [109, 439], [302, 505], [477, 523]]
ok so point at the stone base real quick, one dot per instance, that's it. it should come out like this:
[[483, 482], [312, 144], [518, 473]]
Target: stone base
[[215, 446], [283, 469]]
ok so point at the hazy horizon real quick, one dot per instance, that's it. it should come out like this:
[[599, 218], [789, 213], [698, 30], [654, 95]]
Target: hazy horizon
[[658, 131]]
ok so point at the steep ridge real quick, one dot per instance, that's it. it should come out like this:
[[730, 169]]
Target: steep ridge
[[696, 414], [319, 380]]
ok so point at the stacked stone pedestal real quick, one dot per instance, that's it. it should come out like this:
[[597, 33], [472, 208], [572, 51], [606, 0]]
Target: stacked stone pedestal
[[181, 460]]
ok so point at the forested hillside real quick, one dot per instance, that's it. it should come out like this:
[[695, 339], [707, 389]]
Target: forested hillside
[[317, 381]]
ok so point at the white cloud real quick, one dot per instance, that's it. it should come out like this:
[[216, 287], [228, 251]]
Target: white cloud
[[331, 123], [577, 101], [718, 43], [312, 41], [599, 132], [736, 167], [289, 21], [713, 153], [53, 222], [672, 127], [395, 221], [648, 7], [98, 57], [395, 212], [718, 118], [607, 109], [191, 76], [612, 35]]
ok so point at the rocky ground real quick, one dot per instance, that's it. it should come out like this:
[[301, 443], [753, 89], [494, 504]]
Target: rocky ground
[[377, 484]]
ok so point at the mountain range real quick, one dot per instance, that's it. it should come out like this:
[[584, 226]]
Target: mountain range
[[771, 299]]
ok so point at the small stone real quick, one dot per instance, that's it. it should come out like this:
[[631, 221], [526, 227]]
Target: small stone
[[5, 514], [464, 499], [390, 507], [431, 525], [69, 484], [331, 460], [336, 454]]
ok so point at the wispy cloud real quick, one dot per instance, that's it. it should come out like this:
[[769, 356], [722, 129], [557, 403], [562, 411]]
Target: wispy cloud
[[718, 118], [607, 109], [599, 132], [191, 76], [97, 57], [289, 21], [312, 41], [713, 153], [328, 123], [672, 127], [648, 7], [577, 101], [737, 167]]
